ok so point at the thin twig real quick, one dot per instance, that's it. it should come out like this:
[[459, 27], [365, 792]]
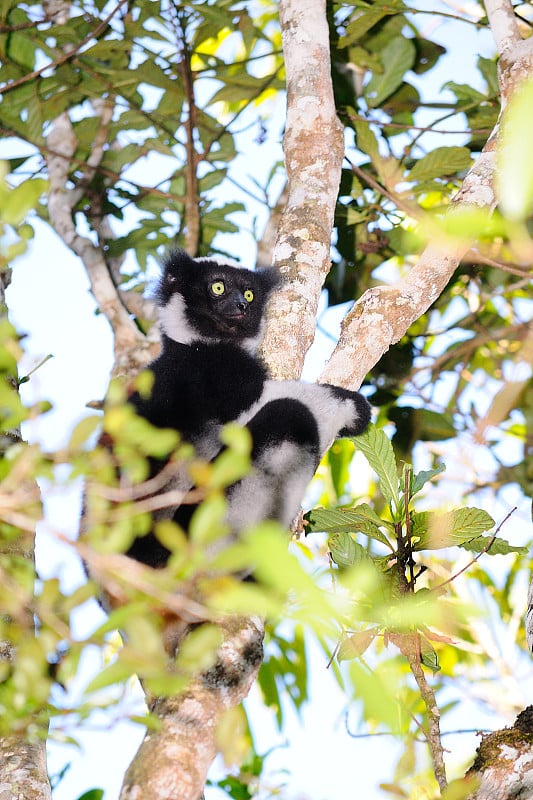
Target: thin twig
[[412, 653]]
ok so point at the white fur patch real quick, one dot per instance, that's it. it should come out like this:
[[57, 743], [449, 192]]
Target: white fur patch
[[331, 413], [221, 261], [275, 488], [252, 343], [174, 321]]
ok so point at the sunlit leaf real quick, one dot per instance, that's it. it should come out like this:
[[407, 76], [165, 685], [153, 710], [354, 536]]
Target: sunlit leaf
[[355, 645], [345, 551], [362, 519], [441, 161], [361, 23], [428, 655], [422, 477], [498, 547], [437, 530], [377, 449]]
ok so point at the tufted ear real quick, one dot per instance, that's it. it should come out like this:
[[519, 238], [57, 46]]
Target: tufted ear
[[175, 267]]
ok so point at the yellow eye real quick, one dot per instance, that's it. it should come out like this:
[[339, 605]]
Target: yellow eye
[[248, 295], [218, 288]]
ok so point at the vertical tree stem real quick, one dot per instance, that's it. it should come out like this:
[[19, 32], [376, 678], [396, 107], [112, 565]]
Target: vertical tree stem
[[412, 652]]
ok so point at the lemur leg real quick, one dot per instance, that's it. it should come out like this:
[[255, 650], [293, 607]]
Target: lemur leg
[[285, 455]]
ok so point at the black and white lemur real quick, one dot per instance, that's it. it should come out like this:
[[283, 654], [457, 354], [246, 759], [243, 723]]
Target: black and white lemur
[[208, 374]]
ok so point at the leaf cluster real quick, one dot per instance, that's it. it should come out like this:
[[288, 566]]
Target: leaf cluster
[[391, 548]]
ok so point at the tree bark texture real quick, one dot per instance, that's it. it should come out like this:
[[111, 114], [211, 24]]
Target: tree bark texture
[[23, 774], [314, 148], [504, 762], [172, 762]]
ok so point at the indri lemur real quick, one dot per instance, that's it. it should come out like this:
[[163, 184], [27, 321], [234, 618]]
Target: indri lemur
[[208, 374]]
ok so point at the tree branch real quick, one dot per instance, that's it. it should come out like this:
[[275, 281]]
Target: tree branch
[[172, 761], [192, 199], [503, 24], [503, 762], [24, 769], [434, 738], [132, 349], [314, 149], [384, 313]]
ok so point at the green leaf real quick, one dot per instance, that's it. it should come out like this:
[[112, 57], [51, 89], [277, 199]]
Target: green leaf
[[465, 93], [422, 477], [117, 672], [269, 688], [428, 655], [355, 645], [438, 530], [489, 69], [514, 177], [84, 430], [92, 794], [378, 690], [397, 57], [21, 199], [229, 467], [441, 161], [378, 451], [208, 521], [345, 551], [362, 23], [362, 519], [366, 140], [434, 426], [499, 547], [428, 53], [339, 458]]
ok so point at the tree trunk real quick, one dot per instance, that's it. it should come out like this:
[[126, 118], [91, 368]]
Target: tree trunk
[[504, 762]]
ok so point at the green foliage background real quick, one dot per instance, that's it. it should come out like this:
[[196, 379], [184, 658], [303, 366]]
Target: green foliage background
[[188, 85]]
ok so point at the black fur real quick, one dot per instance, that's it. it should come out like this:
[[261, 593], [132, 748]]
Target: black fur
[[208, 374]]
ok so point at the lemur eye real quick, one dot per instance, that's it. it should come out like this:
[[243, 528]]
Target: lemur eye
[[248, 295], [218, 288]]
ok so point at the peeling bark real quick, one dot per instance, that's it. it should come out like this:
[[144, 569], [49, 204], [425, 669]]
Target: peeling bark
[[314, 148]]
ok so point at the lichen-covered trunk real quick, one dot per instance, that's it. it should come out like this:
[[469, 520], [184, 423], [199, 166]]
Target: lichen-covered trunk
[[314, 148], [23, 774], [503, 767], [172, 761]]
